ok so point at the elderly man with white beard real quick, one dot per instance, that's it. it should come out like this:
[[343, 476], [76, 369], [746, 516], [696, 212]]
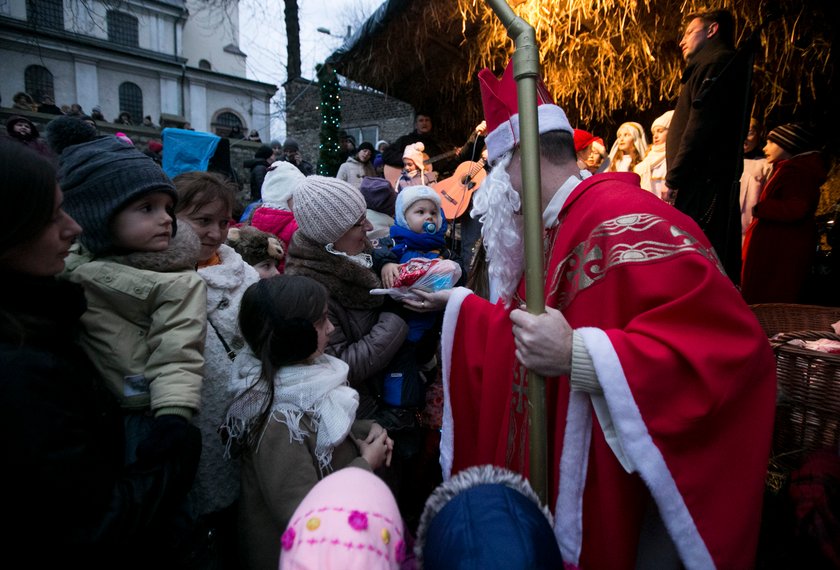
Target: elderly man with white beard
[[660, 384]]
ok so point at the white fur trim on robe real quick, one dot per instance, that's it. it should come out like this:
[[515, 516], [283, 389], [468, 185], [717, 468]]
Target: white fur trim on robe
[[447, 339], [636, 442]]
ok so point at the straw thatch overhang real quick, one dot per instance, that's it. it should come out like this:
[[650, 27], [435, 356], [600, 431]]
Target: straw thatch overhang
[[415, 51], [605, 61]]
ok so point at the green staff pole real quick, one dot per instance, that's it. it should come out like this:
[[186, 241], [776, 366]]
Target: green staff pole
[[526, 69]]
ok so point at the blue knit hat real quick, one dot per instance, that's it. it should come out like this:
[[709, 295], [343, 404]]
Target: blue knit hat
[[486, 517]]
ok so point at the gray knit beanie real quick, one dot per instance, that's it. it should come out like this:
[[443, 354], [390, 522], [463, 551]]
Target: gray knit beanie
[[98, 178], [325, 208]]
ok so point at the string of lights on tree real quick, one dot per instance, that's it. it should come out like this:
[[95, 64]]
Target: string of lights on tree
[[329, 151]]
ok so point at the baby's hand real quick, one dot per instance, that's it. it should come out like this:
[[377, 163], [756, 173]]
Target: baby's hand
[[390, 272]]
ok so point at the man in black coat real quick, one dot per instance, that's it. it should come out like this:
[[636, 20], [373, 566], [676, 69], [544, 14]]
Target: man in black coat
[[259, 166], [704, 146]]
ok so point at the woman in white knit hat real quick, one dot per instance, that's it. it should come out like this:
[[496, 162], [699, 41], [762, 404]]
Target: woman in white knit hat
[[331, 247]]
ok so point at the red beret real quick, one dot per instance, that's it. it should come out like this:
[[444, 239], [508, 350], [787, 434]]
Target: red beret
[[583, 139]]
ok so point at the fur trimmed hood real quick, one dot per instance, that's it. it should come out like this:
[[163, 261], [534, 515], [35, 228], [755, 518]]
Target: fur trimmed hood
[[182, 253], [486, 505]]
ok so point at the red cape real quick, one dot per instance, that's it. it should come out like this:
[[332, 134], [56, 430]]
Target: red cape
[[687, 374]]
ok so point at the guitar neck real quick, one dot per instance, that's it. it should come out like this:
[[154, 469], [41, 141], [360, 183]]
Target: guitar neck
[[441, 156]]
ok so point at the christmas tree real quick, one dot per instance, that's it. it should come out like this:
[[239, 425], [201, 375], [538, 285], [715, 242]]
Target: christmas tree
[[329, 155]]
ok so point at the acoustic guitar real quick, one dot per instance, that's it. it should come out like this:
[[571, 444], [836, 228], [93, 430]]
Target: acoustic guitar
[[456, 191], [392, 173]]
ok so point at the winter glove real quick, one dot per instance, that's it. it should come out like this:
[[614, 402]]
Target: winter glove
[[171, 435]]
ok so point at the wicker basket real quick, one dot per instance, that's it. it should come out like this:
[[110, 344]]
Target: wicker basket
[[784, 317], [807, 403]]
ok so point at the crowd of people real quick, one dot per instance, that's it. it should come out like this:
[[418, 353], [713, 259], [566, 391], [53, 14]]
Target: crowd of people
[[333, 375], [45, 104]]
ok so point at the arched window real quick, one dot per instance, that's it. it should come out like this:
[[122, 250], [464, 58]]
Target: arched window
[[228, 123], [46, 13], [204, 64], [39, 82], [131, 101], [122, 29]]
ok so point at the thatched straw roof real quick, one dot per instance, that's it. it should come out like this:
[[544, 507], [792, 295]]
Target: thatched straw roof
[[604, 60]]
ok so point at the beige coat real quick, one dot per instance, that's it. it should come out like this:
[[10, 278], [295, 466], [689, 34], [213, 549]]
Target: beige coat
[[276, 478], [144, 328]]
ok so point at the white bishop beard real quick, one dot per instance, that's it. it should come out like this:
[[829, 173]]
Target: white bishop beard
[[497, 206]]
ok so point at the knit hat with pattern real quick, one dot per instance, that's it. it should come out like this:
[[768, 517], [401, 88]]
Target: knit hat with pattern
[[98, 178], [794, 138], [325, 208], [348, 520]]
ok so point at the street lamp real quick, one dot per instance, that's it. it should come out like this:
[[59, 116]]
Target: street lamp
[[328, 32]]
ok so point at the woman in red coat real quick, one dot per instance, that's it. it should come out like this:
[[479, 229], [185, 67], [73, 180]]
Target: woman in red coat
[[781, 241]]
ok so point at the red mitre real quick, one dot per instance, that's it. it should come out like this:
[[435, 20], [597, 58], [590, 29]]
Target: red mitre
[[501, 111]]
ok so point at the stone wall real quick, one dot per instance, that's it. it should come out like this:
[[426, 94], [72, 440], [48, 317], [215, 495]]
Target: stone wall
[[358, 109]]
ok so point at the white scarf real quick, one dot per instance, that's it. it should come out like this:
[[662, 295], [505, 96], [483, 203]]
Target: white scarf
[[318, 389]]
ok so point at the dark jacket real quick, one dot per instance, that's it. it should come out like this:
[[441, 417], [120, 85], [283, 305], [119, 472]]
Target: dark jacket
[[305, 167], [705, 142], [365, 337], [66, 495], [258, 166], [704, 148]]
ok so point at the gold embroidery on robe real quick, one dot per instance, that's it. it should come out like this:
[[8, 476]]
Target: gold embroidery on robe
[[625, 240]]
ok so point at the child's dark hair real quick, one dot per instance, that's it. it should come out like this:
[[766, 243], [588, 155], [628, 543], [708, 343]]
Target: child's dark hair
[[197, 189], [277, 317]]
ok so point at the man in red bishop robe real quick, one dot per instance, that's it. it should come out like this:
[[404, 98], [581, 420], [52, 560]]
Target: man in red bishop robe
[[660, 384]]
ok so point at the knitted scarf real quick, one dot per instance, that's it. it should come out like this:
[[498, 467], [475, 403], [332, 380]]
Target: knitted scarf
[[318, 389]]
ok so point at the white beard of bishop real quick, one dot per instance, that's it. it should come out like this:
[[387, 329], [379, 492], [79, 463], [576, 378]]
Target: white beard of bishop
[[498, 207]]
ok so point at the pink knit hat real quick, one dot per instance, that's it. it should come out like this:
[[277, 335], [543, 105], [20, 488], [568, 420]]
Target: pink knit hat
[[349, 520]]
